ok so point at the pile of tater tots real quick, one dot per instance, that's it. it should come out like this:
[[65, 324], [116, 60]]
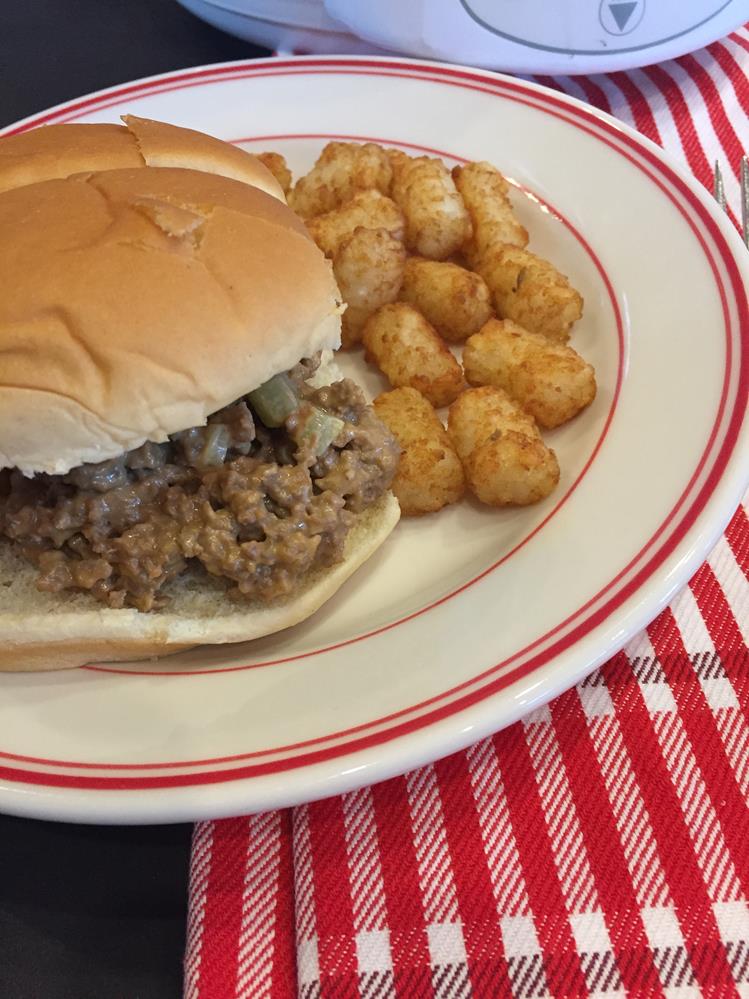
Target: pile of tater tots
[[427, 259]]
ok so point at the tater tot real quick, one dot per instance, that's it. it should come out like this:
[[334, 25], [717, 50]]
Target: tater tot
[[341, 171], [277, 166], [369, 209], [531, 291], [485, 193], [429, 474], [505, 460], [398, 159], [549, 379], [409, 352], [455, 301], [437, 223], [369, 271]]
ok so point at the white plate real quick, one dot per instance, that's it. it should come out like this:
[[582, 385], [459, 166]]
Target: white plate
[[466, 620]]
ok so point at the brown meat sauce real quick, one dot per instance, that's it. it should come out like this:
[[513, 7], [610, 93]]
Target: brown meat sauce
[[243, 502]]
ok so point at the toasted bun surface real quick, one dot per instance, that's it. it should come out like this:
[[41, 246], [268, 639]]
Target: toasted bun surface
[[134, 303], [44, 631], [58, 151]]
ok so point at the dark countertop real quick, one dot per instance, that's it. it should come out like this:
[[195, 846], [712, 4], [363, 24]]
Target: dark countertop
[[54, 50], [94, 912]]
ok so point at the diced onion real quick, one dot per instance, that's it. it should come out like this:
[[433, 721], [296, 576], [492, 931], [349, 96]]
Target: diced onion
[[217, 441], [319, 429], [275, 400]]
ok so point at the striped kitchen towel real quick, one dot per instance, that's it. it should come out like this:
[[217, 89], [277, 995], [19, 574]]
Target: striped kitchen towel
[[598, 847]]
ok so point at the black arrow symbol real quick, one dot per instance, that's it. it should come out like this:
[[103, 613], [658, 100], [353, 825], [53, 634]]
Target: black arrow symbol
[[622, 12]]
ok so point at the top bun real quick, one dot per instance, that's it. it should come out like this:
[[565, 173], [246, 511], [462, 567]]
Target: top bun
[[57, 151], [134, 303]]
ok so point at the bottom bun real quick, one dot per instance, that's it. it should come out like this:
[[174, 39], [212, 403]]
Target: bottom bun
[[46, 631]]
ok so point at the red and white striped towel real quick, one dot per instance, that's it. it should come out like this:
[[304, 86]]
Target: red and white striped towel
[[599, 847]]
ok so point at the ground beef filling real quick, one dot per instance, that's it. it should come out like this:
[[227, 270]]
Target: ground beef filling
[[245, 503]]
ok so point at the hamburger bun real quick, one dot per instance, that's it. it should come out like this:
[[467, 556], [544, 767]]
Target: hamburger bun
[[54, 152], [135, 303]]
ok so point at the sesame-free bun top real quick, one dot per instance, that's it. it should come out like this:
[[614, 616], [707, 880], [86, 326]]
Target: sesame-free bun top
[[57, 151], [134, 303]]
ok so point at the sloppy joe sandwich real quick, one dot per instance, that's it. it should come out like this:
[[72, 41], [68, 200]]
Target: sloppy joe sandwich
[[180, 463]]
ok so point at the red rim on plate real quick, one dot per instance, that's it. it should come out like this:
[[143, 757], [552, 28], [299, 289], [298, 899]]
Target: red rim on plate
[[702, 485]]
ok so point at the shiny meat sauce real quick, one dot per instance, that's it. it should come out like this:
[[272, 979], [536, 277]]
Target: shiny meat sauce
[[248, 504]]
